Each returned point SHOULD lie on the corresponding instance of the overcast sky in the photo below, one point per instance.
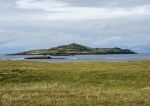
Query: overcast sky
(34, 24)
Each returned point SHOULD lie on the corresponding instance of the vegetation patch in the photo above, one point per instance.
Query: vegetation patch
(74, 83)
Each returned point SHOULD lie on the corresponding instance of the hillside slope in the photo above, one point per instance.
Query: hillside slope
(76, 49)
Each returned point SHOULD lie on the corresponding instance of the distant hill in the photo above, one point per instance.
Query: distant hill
(76, 49)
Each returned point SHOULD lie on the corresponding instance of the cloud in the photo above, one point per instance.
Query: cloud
(51, 5)
(33, 24)
(106, 3)
(64, 11)
(36, 39)
(47, 10)
(93, 3)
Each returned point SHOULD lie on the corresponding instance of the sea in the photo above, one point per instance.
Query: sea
(75, 58)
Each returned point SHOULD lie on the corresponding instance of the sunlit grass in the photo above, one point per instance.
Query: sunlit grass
(25, 83)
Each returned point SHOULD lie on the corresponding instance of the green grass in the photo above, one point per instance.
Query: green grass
(72, 49)
(24, 83)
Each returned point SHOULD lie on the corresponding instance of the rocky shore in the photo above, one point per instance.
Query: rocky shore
(42, 57)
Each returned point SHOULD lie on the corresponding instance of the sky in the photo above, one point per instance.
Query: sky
(38, 24)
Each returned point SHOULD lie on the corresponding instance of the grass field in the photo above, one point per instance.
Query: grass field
(24, 83)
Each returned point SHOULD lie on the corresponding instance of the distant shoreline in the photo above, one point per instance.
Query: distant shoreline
(104, 57)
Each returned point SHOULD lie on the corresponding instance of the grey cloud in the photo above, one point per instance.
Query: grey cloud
(104, 3)
(132, 34)
(29, 29)
(6, 5)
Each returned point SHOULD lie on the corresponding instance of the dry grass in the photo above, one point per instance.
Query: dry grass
(26, 83)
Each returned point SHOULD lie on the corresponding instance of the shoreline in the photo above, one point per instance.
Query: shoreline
(78, 58)
(82, 61)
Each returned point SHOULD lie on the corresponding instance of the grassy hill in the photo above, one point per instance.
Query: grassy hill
(24, 83)
(76, 49)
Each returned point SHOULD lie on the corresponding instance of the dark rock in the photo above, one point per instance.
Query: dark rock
(39, 57)
(42, 57)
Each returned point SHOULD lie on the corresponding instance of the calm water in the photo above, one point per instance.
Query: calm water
(116, 57)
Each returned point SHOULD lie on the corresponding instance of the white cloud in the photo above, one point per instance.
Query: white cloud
(57, 10)
(46, 5)
(47, 10)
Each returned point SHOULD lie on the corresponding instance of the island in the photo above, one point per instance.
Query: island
(76, 49)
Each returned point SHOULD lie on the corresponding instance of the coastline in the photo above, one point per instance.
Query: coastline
(76, 58)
